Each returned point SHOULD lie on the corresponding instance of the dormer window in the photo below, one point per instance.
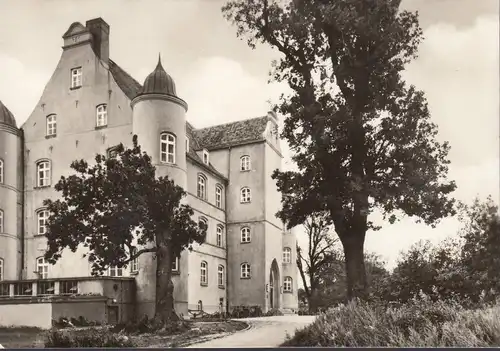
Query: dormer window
(76, 77)
(205, 156)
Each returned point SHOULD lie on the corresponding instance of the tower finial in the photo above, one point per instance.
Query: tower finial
(159, 61)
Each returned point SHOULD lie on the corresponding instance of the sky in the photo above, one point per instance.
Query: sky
(223, 80)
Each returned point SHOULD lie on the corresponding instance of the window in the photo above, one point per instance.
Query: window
(1, 171)
(43, 173)
(287, 255)
(220, 275)
(245, 270)
(1, 269)
(102, 115)
(245, 195)
(76, 77)
(205, 156)
(134, 264)
(45, 288)
(115, 271)
(175, 265)
(203, 221)
(245, 163)
(245, 235)
(42, 217)
(167, 148)
(51, 125)
(68, 287)
(287, 284)
(42, 268)
(204, 273)
(1, 221)
(219, 236)
(4, 289)
(23, 289)
(218, 196)
(187, 144)
(202, 185)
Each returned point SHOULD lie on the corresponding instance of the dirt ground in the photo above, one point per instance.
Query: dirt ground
(200, 331)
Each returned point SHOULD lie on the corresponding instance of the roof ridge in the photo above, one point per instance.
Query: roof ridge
(125, 72)
(228, 123)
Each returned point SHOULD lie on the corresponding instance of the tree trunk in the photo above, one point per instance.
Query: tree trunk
(164, 310)
(357, 286)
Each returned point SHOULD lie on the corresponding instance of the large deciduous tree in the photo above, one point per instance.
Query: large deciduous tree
(361, 138)
(118, 210)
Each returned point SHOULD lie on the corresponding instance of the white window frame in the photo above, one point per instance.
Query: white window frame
(220, 275)
(1, 221)
(187, 144)
(287, 255)
(245, 270)
(287, 284)
(245, 236)
(1, 171)
(204, 273)
(51, 124)
(76, 77)
(43, 169)
(245, 195)
(218, 196)
(206, 157)
(201, 187)
(245, 164)
(101, 115)
(134, 264)
(41, 216)
(42, 268)
(118, 272)
(219, 235)
(167, 148)
(175, 265)
(1, 269)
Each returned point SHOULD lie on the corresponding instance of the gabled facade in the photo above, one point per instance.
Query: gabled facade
(89, 106)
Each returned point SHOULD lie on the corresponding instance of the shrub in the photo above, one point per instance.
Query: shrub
(273, 312)
(418, 323)
(92, 337)
(150, 325)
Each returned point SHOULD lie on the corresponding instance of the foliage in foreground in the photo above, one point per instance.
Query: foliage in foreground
(92, 337)
(418, 323)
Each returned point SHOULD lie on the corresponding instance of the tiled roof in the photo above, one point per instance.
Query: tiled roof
(127, 84)
(230, 134)
(6, 116)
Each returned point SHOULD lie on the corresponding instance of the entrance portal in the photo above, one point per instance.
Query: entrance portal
(274, 286)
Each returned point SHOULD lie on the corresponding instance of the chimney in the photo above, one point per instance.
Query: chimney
(100, 38)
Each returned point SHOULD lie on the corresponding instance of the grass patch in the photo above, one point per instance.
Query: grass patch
(21, 337)
(420, 323)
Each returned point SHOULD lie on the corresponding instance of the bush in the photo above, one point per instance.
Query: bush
(92, 337)
(273, 312)
(150, 325)
(418, 323)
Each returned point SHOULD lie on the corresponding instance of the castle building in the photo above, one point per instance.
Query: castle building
(89, 106)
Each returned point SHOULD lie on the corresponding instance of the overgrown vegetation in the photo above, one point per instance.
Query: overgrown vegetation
(91, 337)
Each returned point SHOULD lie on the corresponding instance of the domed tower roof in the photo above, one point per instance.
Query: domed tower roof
(159, 82)
(6, 117)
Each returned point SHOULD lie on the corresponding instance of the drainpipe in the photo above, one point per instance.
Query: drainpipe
(227, 246)
(23, 203)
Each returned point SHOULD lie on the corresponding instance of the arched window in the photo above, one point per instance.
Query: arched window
(245, 270)
(1, 269)
(204, 273)
(167, 148)
(202, 187)
(220, 275)
(1, 221)
(287, 284)
(51, 125)
(42, 216)
(134, 264)
(287, 255)
(43, 173)
(219, 235)
(245, 195)
(42, 268)
(204, 221)
(101, 115)
(245, 235)
(1, 171)
(245, 163)
(218, 196)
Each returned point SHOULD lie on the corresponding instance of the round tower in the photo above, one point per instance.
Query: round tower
(159, 121)
(11, 196)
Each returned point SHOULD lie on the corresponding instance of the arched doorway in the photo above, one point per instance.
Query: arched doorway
(274, 286)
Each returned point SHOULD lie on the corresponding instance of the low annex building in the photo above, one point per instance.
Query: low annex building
(89, 106)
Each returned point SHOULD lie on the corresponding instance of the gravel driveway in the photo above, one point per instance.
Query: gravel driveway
(263, 332)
